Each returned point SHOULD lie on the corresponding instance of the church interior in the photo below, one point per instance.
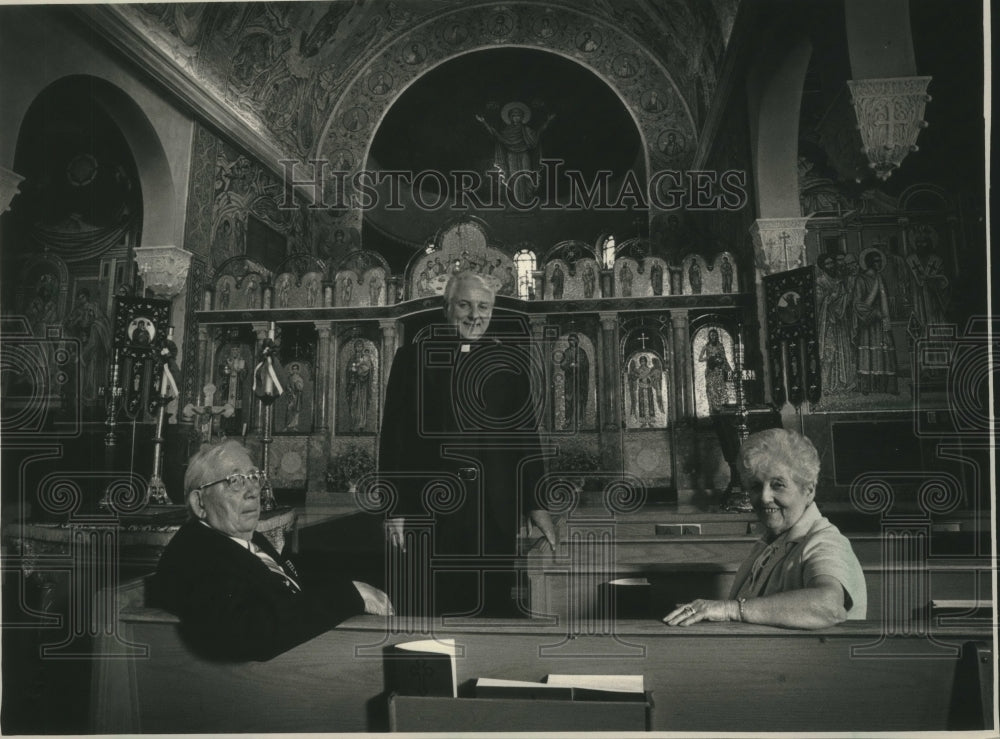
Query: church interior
(710, 217)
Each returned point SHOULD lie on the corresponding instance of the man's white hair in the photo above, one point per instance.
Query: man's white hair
(465, 276)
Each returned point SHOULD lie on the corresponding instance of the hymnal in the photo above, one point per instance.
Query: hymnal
(424, 667)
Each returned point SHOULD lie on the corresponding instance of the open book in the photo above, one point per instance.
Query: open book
(425, 667)
(566, 687)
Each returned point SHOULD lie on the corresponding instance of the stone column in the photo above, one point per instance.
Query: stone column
(331, 386)
(538, 283)
(683, 366)
(779, 245)
(607, 283)
(322, 375)
(10, 182)
(609, 366)
(676, 280)
(541, 395)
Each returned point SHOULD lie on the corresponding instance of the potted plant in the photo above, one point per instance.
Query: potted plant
(573, 464)
(346, 468)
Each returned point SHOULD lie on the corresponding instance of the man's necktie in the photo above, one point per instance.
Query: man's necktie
(275, 567)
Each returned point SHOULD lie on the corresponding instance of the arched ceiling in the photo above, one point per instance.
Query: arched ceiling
(284, 67)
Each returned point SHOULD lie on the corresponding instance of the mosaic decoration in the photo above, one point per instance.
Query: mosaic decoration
(714, 357)
(358, 374)
(574, 382)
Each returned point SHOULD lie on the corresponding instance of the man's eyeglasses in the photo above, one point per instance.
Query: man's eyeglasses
(238, 481)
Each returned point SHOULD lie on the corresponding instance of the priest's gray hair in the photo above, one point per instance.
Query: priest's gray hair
(462, 277)
(780, 445)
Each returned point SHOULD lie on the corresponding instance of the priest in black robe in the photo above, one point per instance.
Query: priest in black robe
(459, 447)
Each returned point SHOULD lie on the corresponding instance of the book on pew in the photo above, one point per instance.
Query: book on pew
(425, 667)
(601, 687)
(489, 687)
(969, 608)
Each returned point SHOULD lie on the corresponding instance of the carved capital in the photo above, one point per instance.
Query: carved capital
(609, 321)
(164, 269)
(10, 182)
(779, 243)
(323, 330)
(679, 318)
(388, 326)
(260, 329)
(890, 114)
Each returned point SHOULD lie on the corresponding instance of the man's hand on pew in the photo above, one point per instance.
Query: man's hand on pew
(377, 603)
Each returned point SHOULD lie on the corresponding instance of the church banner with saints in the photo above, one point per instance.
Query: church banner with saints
(790, 299)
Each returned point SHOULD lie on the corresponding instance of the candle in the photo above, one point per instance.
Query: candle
(268, 383)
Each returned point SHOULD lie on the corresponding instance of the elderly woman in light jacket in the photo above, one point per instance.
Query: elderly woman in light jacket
(803, 573)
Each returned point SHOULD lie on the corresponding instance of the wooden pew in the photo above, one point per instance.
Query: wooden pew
(709, 677)
(554, 591)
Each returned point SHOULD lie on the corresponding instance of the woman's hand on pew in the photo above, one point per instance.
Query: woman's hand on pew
(702, 610)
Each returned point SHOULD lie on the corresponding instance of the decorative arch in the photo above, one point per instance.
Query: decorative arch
(361, 279)
(461, 244)
(667, 129)
(159, 204)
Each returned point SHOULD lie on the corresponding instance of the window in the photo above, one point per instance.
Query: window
(608, 252)
(524, 261)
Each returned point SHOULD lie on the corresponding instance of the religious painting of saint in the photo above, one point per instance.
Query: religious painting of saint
(645, 381)
(517, 148)
(141, 331)
(43, 309)
(726, 270)
(87, 322)
(876, 350)
(293, 409)
(345, 288)
(359, 387)
(713, 384)
(656, 278)
(694, 277)
(558, 281)
(589, 281)
(625, 279)
(572, 389)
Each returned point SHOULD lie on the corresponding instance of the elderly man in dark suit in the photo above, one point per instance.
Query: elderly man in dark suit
(236, 596)
(459, 442)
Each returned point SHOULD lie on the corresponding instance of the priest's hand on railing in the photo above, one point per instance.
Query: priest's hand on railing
(377, 603)
(394, 533)
(541, 518)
